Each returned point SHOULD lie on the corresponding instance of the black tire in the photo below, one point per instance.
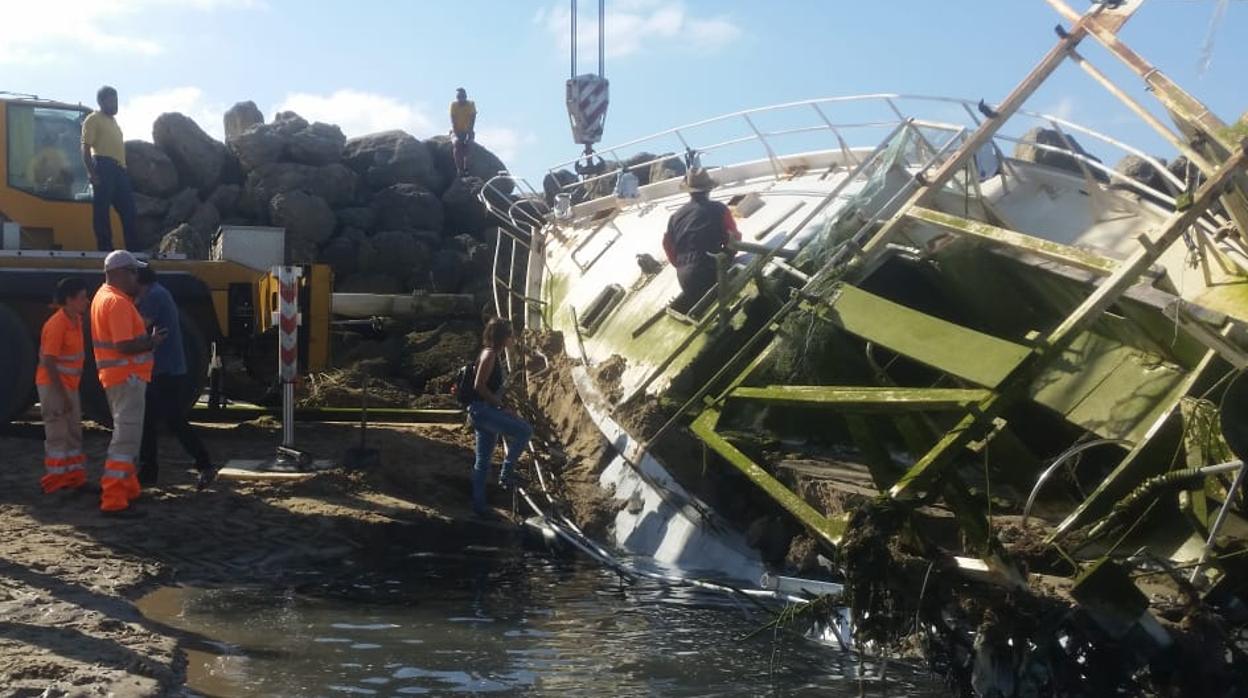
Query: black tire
(17, 365)
(95, 403)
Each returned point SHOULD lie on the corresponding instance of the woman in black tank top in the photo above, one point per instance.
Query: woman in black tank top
(490, 419)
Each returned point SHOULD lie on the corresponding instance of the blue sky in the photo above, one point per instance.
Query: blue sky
(371, 65)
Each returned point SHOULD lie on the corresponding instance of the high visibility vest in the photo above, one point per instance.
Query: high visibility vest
(61, 339)
(114, 320)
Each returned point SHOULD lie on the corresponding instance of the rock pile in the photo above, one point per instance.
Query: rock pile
(384, 210)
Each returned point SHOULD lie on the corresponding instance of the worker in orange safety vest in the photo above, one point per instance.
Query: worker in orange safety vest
(56, 380)
(123, 355)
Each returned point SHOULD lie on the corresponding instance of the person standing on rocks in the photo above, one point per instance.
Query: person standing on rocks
(490, 420)
(166, 392)
(697, 230)
(60, 370)
(104, 154)
(123, 356)
(463, 129)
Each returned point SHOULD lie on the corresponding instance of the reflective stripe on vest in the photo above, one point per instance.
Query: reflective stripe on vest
(114, 474)
(56, 469)
(136, 359)
(120, 458)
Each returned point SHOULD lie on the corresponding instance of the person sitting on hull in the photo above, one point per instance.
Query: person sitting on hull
(696, 231)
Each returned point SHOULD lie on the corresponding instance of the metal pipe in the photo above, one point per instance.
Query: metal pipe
(1217, 523)
(573, 19)
(602, 38)
(1059, 462)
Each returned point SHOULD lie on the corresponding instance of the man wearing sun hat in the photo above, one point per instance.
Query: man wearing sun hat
(696, 231)
(123, 357)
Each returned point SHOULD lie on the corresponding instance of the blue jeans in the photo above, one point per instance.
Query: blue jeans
(113, 191)
(490, 423)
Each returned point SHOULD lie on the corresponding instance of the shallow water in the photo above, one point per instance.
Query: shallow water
(500, 623)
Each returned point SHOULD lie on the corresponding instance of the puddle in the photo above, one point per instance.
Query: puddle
(481, 624)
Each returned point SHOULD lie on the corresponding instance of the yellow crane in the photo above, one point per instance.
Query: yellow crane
(45, 213)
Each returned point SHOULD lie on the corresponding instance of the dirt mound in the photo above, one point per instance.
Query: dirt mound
(575, 451)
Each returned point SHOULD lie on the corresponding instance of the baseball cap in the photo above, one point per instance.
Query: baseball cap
(121, 259)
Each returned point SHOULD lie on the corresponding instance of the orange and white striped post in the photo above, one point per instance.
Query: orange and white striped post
(288, 321)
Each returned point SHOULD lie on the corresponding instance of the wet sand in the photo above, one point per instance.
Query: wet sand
(69, 576)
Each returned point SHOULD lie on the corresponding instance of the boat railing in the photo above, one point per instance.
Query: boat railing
(828, 124)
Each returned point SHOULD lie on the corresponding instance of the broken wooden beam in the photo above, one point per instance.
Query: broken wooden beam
(1054, 251)
(1015, 386)
(862, 399)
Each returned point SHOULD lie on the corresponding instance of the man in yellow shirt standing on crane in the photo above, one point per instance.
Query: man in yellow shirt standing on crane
(463, 128)
(104, 154)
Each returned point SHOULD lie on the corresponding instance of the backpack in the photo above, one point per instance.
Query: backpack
(462, 388)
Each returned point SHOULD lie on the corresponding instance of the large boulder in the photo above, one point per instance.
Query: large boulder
(150, 206)
(197, 157)
(308, 220)
(341, 255)
(391, 157)
(482, 164)
(1028, 151)
(402, 256)
(554, 182)
(241, 117)
(259, 145)
(184, 240)
(181, 207)
(205, 221)
(334, 183)
(369, 283)
(356, 217)
(225, 198)
(447, 270)
(151, 170)
(464, 211)
(667, 167)
(316, 144)
(148, 232)
(408, 207)
(1140, 170)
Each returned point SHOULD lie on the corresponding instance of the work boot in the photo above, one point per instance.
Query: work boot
(207, 476)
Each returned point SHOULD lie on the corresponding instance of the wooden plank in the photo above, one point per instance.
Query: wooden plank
(862, 399)
(1055, 251)
(1196, 122)
(988, 129)
(933, 463)
(959, 351)
(704, 428)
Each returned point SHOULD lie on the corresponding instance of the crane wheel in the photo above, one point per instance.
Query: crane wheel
(17, 366)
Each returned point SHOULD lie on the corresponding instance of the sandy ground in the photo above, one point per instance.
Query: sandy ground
(68, 576)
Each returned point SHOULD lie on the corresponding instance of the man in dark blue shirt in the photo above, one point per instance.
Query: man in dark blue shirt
(166, 394)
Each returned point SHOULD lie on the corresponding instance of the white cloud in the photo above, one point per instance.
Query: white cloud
(44, 31)
(137, 114)
(505, 142)
(358, 113)
(634, 25)
(1063, 109)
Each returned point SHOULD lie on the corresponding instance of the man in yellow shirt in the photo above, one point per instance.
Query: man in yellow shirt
(104, 154)
(463, 127)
